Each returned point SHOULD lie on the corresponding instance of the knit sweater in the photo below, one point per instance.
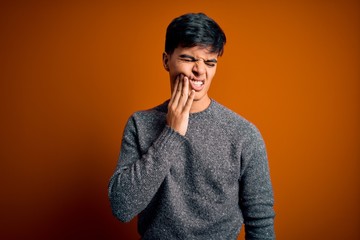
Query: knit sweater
(203, 185)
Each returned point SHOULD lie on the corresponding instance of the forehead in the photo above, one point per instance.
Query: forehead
(196, 51)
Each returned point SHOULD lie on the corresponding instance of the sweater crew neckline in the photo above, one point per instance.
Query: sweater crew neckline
(203, 112)
(164, 108)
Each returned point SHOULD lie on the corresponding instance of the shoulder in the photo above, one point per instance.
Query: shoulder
(240, 131)
(227, 118)
(148, 114)
(149, 117)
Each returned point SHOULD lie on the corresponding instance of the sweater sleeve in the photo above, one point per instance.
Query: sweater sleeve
(138, 176)
(256, 194)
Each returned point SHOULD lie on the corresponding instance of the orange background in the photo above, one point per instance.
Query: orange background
(71, 73)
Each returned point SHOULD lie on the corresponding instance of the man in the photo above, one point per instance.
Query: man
(191, 168)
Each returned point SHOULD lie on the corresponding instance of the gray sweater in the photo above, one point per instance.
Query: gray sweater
(203, 185)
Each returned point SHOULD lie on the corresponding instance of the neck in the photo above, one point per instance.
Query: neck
(200, 105)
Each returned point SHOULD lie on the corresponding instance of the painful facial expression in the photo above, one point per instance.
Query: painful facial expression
(198, 64)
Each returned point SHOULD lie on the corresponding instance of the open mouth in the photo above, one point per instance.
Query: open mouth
(197, 85)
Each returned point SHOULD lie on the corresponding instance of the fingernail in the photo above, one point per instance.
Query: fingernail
(186, 78)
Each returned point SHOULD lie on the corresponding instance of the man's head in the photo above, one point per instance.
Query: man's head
(193, 44)
(194, 29)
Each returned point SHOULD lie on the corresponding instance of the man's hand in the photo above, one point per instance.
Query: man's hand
(179, 106)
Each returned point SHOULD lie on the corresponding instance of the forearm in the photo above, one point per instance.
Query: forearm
(259, 219)
(136, 181)
(257, 203)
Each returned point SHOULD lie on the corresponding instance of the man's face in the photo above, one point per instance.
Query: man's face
(197, 63)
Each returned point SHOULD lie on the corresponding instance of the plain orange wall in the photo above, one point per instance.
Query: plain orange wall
(72, 72)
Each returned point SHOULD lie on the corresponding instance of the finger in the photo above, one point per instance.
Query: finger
(178, 91)
(189, 101)
(174, 91)
(184, 92)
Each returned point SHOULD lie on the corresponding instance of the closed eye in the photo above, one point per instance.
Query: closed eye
(188, 58)
(210, 64)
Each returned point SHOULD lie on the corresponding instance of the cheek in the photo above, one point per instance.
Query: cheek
(179, 68)
(210, 74)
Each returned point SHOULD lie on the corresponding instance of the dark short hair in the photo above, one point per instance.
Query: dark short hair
(194, 29)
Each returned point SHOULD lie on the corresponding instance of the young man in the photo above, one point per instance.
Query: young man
(191, 168)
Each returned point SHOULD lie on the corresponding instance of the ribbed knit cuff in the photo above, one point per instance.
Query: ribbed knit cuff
(168, 142)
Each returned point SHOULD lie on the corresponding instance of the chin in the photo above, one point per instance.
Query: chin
(199, 96)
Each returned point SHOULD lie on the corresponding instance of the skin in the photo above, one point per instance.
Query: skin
(186, 65)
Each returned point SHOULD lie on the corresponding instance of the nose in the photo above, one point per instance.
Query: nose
(199, 67)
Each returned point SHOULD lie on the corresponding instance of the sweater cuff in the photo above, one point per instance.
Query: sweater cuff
(168, 142)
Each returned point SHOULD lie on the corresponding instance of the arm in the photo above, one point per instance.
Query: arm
(256, 195)
(139, 176)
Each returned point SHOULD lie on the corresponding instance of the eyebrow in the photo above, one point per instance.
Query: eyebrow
(194, 59)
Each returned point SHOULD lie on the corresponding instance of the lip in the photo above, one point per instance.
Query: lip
(196, 86)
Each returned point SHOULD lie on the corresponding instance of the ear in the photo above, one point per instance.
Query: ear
(165, 58)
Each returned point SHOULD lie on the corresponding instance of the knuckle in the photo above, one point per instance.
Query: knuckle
(171, 108)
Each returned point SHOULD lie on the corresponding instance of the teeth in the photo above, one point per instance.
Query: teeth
(197, 83)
